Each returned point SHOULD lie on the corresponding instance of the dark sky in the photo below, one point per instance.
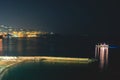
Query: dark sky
(95, 17)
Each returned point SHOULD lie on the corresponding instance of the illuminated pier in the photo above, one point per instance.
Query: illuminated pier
(101, 53)
(46, 59)
(8, 61)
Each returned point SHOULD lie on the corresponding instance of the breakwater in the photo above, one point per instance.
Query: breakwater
(8, 61)
(45, 59)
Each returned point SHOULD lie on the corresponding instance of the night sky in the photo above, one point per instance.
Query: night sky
(83, 17)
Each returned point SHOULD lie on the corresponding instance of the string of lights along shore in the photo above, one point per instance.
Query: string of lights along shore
(8, 31)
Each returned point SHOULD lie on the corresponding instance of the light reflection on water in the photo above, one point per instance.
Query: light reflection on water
(101, 53)
(1, 46)
(45, 47)
(19, 47)
(33, 47)
(22, 47)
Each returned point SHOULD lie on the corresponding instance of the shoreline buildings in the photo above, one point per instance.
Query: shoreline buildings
(13, 32)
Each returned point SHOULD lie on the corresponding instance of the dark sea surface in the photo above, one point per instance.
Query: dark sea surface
(61, 46)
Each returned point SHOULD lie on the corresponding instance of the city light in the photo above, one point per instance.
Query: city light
(6, 31)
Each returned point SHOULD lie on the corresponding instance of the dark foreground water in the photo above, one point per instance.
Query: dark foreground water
(60, 46)
(48, 71)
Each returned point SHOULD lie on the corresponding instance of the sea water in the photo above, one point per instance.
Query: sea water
(67, 47)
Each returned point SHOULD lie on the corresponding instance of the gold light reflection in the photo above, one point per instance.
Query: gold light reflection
(1, 46)
(101, 53)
